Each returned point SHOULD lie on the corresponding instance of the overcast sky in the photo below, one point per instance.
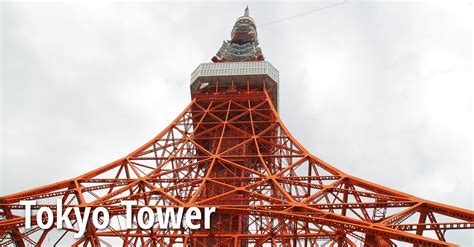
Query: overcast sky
(379, 90)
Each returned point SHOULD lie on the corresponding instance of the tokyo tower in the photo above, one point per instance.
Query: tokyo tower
(229, 149)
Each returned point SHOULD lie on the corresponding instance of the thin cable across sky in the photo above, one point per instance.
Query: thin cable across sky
(301, 14)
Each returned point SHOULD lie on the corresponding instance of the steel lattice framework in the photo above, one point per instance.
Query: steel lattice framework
(230, 149)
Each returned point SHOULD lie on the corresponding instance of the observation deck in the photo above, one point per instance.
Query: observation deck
(236, 77)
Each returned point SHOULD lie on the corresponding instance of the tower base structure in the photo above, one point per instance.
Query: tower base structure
(229, 149)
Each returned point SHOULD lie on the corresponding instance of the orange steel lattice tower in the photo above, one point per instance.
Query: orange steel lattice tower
(230, 149)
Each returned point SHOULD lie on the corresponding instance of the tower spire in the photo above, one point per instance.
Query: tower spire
(243, 45)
